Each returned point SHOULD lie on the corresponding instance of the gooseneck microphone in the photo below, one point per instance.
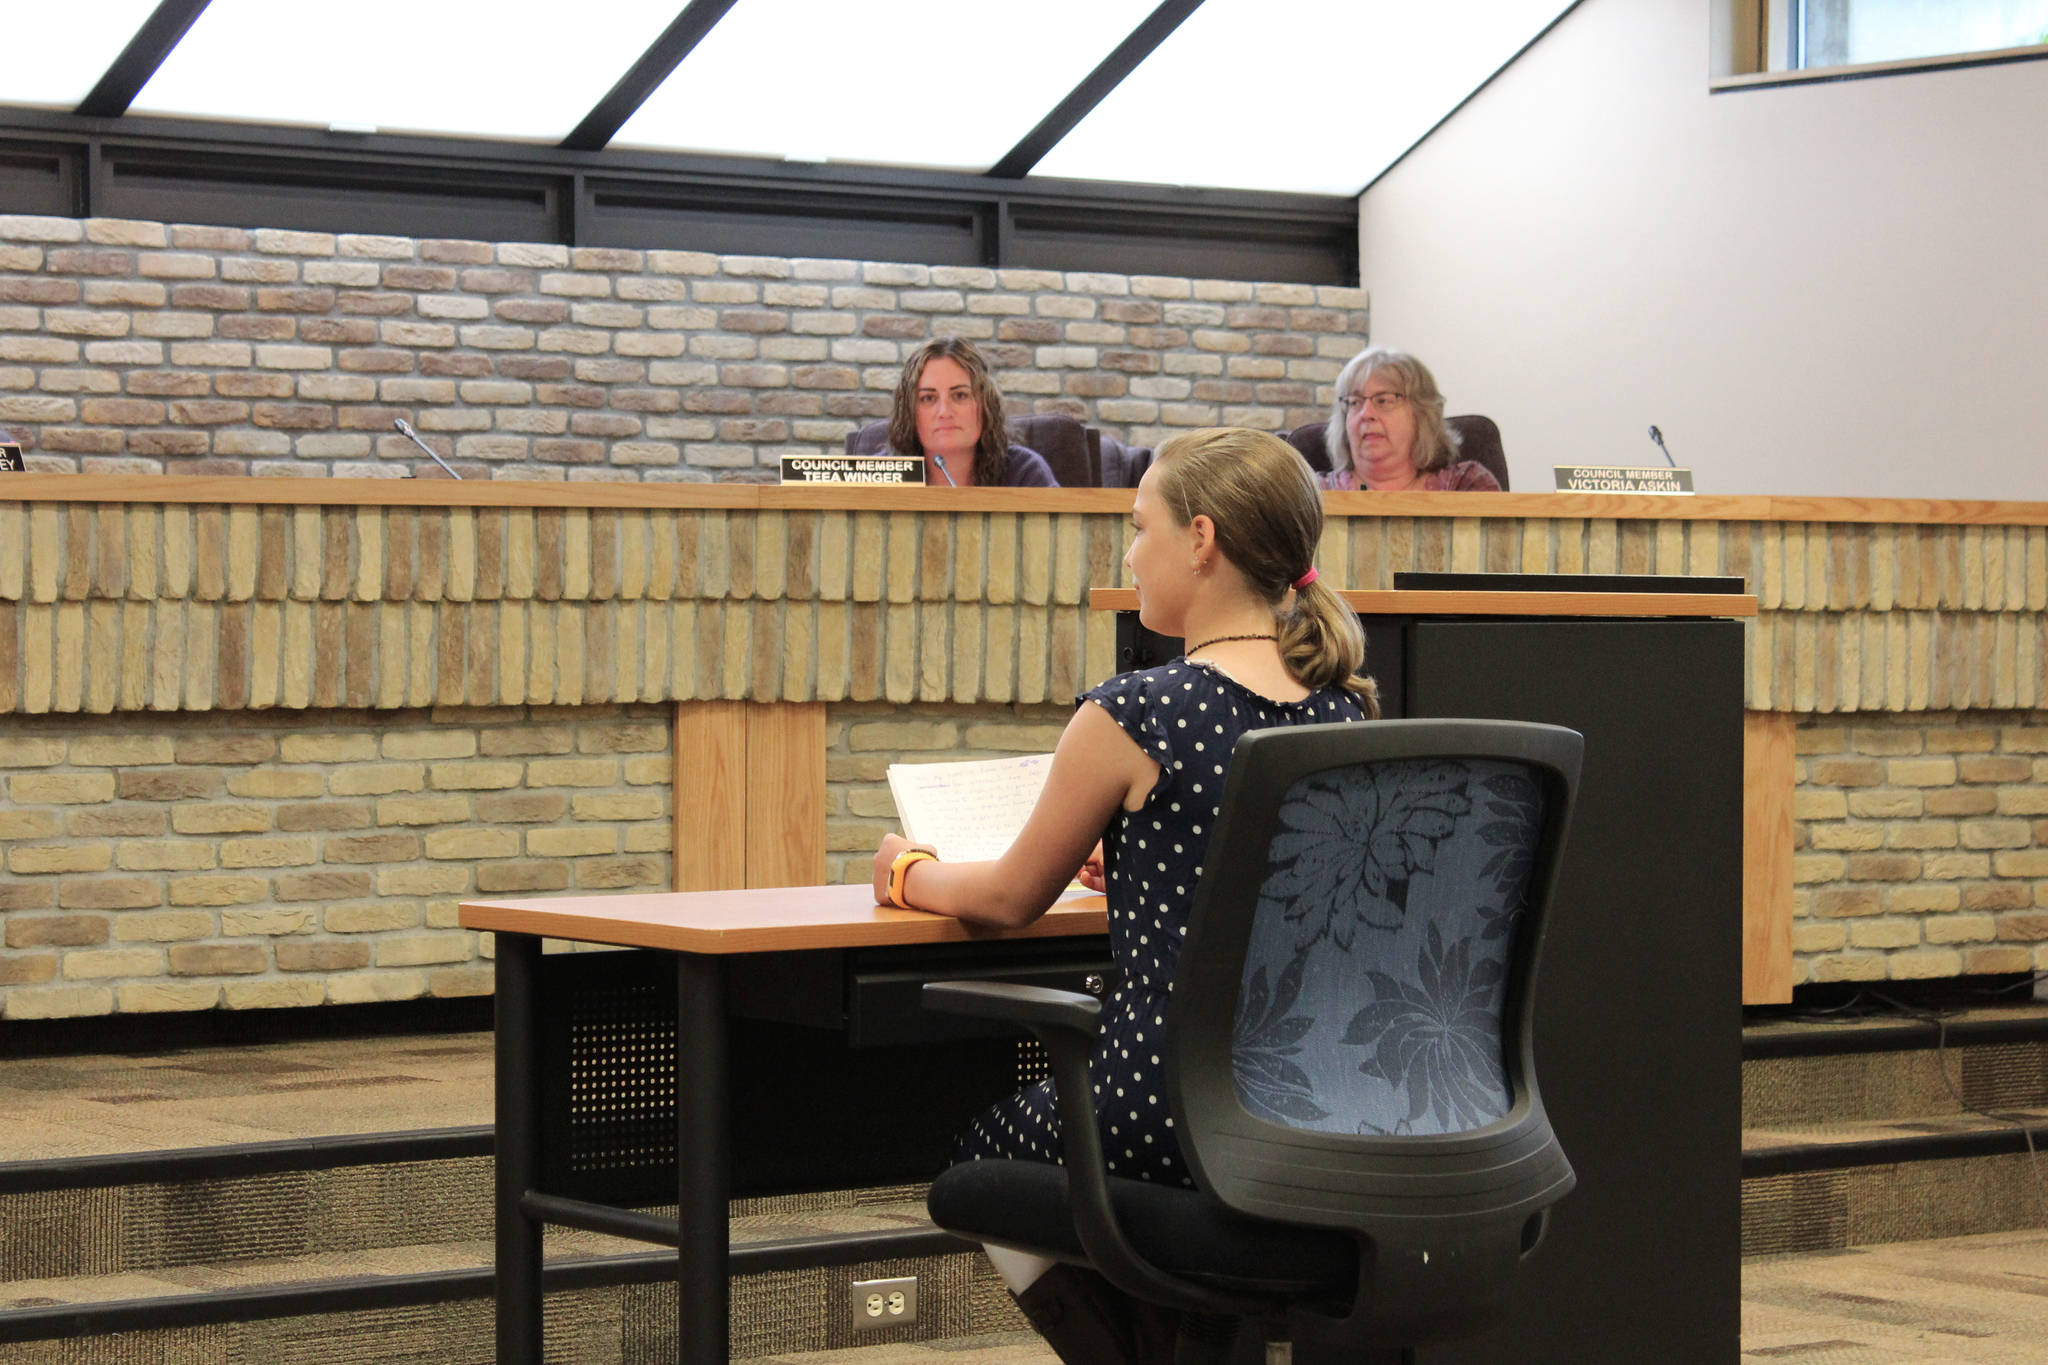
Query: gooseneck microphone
(1658, 437)
(940, 461)
(405, 430)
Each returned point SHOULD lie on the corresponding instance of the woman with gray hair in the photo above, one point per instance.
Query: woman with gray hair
(1387, 431)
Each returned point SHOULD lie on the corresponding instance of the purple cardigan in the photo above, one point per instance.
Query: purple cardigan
(1463, 476)
(1024, 467)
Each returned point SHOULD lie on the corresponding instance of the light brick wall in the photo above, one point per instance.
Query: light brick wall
(1921, 840)
(159, 613)
(863, 739)
(1920, 845)
(193, 861)
(177, 862)
(145, 347)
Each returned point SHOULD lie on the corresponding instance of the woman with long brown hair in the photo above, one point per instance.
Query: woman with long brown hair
(1223, 536)
(949, 410)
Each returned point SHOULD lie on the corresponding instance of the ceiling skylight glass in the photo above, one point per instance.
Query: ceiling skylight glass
(520, 69)
(55, 56)
(937, 83)
(1315, 96)
(1319, 98)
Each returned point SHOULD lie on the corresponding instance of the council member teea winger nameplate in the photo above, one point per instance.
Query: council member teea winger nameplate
(853, 469)
(1598, 478)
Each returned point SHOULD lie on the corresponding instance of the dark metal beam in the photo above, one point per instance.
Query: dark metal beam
(138, 61)
(662, 56)
(1095, 88)
(205, 140)
(200, 171)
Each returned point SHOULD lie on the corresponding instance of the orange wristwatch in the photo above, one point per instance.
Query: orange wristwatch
(899, 872)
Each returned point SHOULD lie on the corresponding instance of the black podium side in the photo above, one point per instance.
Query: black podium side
(1639, 1023)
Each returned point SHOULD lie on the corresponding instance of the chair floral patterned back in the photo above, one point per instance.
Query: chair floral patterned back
(1375, 980)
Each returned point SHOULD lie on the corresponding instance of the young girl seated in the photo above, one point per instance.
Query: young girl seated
(1224, 530)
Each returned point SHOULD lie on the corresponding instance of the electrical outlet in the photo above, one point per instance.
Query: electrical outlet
(885, 1303)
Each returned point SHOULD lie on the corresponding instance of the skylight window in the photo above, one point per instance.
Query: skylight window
(1317, 98)
(517, 69)
(55, 58)
(934, 83)
(1314, 96)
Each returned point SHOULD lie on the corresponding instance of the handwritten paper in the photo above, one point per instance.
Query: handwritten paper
(969, 811)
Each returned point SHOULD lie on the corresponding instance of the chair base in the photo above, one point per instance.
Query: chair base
(1330, 1355)
(1249, 1347)
(1088, 1321)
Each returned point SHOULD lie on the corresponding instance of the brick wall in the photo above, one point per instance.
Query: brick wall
(179, 862)
(1921, 845)
(186, 861)
(1921, 841)
(145, 347)
(863, 739)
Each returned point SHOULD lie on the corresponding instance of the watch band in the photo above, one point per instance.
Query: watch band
(899, 872)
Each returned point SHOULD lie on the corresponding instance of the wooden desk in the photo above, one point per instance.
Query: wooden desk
(705, 930)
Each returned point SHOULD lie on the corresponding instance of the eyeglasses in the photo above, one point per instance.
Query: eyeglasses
(1381, 402)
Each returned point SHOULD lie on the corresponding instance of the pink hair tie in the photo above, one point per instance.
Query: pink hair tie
(1305, 579)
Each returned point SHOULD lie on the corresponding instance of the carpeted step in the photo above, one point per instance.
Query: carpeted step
(1860, 1184)
(1893, 1128)
(432, 1303)
(1923, 1080)
(399, 1254)
(777, 1315)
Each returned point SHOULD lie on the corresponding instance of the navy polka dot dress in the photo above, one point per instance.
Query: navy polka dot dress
(1186, 716)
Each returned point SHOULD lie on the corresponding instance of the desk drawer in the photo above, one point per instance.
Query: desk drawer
(885, 1006)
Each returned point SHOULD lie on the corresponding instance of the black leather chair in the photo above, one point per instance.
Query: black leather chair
(1478, 439)
(1349, 1059)
(1071, 450)
(1122, 465)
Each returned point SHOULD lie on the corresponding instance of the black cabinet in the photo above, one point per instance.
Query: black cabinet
(1639, 1022)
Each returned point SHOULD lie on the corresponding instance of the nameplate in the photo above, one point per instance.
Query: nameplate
(10, 458)
(1599, 478)
(853, 469)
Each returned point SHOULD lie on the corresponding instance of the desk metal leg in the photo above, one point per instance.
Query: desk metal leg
(703, 1164)
(518, 1149)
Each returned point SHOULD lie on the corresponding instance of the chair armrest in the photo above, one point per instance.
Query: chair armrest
(1027, 1005)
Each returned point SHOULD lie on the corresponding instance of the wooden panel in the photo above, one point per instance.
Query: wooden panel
(785, 794)
(710, 796)
(1766, 858)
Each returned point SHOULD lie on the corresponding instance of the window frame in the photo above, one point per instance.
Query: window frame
(1753, 44)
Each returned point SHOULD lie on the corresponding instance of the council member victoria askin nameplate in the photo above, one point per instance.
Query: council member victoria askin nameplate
(1597, 478)
(1670, 477)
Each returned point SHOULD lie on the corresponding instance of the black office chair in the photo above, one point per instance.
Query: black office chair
(1069, 449)
(1349, 1056)
(1122, 465)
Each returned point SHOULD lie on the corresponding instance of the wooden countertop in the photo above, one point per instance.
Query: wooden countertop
(1434, 603)
(173, 488)
(785, 919)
